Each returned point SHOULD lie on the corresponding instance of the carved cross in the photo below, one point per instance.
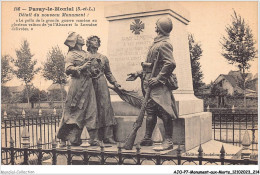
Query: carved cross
(137, 26)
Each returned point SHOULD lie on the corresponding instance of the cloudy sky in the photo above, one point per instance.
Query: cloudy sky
(208, 21)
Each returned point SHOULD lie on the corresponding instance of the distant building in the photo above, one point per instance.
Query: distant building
(55, 86)
(54, 92)
(16, 90)
(232, 83)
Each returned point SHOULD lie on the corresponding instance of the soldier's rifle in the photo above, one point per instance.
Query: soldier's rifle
(138, 123)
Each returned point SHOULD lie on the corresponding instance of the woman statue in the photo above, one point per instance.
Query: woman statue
(100, 71)
(80, 107)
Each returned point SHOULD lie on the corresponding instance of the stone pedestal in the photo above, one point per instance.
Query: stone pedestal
(189, 130)
(131, 32)
(193, 129)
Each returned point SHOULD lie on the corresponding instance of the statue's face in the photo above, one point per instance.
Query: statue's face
(80, 40)
(94, 42)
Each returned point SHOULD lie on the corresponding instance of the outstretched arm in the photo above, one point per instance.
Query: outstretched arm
(134, 76)
(110, 77)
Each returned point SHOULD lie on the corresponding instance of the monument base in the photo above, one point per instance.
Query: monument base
(189, 130)
(193, 129)
(186, 104)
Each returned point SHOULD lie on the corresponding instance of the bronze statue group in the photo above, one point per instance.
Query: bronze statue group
(88, 101)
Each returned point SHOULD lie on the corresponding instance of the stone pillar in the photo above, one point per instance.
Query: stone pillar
(131, 32)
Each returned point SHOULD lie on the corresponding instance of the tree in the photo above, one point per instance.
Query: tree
(36, 95)
(54, 69)
(6, 75)
(25, 66)
(238, 46)
(53, 95)
(195, 55)
(5, 95)
(220, 93)
(6, 70)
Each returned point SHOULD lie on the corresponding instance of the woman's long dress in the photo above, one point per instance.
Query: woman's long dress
(80, 107)
(100, 70)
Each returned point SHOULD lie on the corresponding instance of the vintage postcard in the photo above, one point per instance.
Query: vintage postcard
(92, 83)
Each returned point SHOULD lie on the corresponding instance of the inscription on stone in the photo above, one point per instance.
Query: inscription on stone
(128, 55)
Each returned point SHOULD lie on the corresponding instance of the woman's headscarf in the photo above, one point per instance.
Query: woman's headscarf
(72, 40)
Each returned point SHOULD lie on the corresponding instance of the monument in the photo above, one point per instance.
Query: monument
(131, 32)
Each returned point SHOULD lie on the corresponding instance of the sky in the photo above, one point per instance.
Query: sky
(207, 24)
(208, 21)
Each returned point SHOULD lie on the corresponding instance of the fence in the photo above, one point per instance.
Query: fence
(233, 110)
(44, 104)
(102, 157)
(40, 126)
(227, 127)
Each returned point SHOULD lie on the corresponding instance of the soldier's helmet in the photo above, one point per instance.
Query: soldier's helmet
(164, 24)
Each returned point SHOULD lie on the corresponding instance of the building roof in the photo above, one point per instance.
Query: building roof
(237, 75)
(231, 79)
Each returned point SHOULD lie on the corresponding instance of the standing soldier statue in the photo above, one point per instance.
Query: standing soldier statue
(161, 102)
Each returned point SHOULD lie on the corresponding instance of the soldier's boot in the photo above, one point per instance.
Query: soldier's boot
(150, 124)
(168, 126)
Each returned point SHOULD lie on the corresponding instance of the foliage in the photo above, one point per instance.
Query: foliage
(245, 83)
(216, 90)
(54, 67)
(5, 95)
(195, 55)
(35, 95)
(25, 66)
(237, 94)
(6, 70)
(54, 95)
(38, 95)
(238, 46)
